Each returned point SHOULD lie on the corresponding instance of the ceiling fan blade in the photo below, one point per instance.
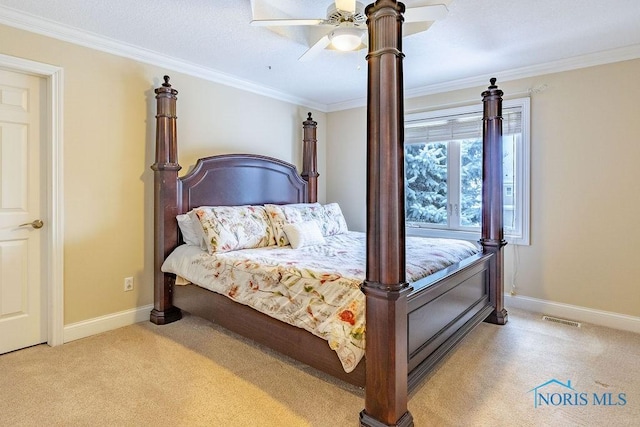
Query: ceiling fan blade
(346, 5)
(425, 13)
(411, 28)
(314, 50)
(286, 22)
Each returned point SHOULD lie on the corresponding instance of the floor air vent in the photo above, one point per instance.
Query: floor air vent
(562, 321)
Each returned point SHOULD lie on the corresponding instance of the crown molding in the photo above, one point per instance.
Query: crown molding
(28, 22)
(48, 28)
(568, 64)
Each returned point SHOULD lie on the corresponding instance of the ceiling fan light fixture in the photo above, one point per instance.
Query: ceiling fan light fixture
(346, 39)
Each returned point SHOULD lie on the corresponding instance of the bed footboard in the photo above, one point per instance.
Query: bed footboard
(444, 310)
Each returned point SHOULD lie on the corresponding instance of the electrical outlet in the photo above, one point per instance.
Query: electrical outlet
(128, 284)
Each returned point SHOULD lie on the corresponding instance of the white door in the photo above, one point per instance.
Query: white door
(22, 301)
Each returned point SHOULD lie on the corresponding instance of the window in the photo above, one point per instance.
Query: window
(443, 172)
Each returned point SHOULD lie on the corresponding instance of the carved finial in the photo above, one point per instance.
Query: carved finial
(309, 116)
(166, 82)
(493, 83)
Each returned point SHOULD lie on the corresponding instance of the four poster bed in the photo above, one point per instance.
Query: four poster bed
(410, 325)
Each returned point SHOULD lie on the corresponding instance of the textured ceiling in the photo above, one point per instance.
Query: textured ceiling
(477, 39)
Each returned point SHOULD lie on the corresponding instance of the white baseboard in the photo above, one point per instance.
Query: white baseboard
(86, 328)
(609, 319)
(573, 312)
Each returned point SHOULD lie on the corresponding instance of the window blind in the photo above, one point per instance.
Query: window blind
(458, 127)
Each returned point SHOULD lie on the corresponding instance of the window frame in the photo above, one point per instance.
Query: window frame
(522, 177)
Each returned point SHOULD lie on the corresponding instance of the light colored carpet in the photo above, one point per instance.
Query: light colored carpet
(193, 373)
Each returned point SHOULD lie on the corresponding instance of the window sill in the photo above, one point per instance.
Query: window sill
(472, 236)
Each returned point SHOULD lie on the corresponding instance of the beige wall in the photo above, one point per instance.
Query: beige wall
(108, 147)
(585, 195)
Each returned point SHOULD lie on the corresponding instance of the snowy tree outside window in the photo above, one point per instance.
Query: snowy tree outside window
(443, 172)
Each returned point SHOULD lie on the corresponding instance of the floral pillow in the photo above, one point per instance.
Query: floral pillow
(334, 222)
(229, 228)
(329, 218)
(278, 220)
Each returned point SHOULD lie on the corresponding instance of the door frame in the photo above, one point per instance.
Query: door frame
(53, 263)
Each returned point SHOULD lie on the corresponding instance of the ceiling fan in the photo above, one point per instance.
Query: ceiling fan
(347, 22)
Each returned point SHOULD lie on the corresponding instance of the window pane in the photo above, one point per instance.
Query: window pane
(471, 183)
(509, 150)
(426, 183)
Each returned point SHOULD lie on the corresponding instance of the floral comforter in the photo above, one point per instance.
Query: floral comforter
(316, 288)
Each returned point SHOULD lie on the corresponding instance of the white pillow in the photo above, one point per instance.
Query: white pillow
(190, 234)
(303, 234)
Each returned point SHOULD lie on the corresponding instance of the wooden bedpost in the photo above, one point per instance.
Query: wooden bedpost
(385, 286)
(492, 239)
(310, 159)
(165, 174)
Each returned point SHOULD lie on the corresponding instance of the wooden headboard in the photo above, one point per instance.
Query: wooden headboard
(241, 179)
